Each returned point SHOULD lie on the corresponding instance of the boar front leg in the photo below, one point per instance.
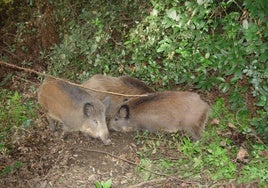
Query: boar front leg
(51, 123)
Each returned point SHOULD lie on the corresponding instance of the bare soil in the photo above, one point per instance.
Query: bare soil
(76, 161)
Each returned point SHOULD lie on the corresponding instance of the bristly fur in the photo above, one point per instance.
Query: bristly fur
(133, 82)
(75, 93)
(154, 97)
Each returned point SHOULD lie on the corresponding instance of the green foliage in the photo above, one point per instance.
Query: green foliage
(256, 169)
(240, 119)
(15, 113)
(15, 11)
(92, 38)
(103, 184)
(203, 44)
(17, 165)
(260, 122)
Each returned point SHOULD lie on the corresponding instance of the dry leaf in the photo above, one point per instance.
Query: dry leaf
(263, 153)
(223, 144)
(241, 154)
(231, 126)
(215, 122)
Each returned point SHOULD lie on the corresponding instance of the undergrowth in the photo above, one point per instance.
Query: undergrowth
(16, 115)
(205, 45)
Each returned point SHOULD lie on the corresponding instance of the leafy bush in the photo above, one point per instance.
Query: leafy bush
(92, 40)
(203, 44)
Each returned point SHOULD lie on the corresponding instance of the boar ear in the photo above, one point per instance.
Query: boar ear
(88, 109)
(107, 102)
(124, 111)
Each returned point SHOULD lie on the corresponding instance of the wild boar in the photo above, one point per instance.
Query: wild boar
(168, 111)
(124, 85)
(75, 108)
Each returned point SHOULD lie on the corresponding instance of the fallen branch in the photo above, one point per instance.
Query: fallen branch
(133, 163)
(71, 83)
(142, 184)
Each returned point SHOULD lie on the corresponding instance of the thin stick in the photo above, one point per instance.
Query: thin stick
(28, 81)
(125, 160)
(133, 163)
(71, 83)
(142, 184)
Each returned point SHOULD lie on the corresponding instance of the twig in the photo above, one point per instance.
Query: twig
(241, 9)
(125, 160)
(25, 80)
(24, 130)
(251, 134)
(14, 55)
(71, 83)
(142, 184)
(222, 182)
(133, 163)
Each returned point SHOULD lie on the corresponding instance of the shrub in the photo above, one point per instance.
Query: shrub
(203, 44)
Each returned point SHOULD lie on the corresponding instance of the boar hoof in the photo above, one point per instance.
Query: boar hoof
(107, 142)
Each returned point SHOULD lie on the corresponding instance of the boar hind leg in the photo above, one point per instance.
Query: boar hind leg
(51, 123)
(65, 135)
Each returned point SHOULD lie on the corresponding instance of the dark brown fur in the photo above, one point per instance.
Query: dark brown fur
(136, 83)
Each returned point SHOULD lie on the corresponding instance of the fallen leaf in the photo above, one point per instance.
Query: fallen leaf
(215, 122)
(263, 153)
(231, 126)
(137, 161)
(223, 144)
(242, 153)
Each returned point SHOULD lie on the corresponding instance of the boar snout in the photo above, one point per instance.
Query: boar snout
(107, 142)
(105, 138)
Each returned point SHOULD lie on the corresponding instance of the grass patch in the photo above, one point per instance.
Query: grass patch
(16, 114)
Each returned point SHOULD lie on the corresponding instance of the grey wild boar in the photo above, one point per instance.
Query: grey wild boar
(168, 111)
(123, 85)
(75, 108)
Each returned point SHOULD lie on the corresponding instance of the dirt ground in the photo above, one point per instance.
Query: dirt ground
(76, 161)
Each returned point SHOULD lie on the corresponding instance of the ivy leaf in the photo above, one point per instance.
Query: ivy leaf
(171, 13)
(245, 24)
(262, 101)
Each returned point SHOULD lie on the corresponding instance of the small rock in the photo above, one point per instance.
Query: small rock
(123, 182)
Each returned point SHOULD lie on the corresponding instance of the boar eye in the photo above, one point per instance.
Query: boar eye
(95, 121)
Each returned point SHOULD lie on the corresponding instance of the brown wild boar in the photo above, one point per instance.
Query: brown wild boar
(123, 85)
(75, 108)
(168, 111)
